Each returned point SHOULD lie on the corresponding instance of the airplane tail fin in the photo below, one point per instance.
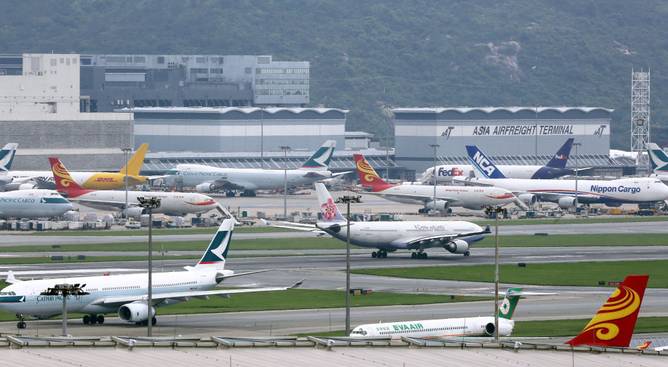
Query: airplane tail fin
(561, 158)
(657, 157)
(368, 176)
(320, 159)
(216, 252)
(7, 156)
(613, 324)
(328, 209)
(482, 163)
(64, 181)
(135, 162)
(507, 307)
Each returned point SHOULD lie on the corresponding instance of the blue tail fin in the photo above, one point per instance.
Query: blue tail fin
(482, 163)
(559, 160)
(320, 159)
(216, 252)
(7, 156)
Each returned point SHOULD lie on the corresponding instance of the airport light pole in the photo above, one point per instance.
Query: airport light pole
(347, 199)
(126, 152)
(285, 149)
(577, 193)
(149, 203)
(498, 210)
(65, 290)
(435, 147)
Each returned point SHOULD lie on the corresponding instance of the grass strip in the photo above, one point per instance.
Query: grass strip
(567, 274)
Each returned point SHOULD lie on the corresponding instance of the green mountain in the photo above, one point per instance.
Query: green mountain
(369, 55)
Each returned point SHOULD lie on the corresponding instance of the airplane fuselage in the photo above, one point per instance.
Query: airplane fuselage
(32, 203)
(443, 328)
(445, 173)
(175, 203)
(469, 197)
(87, 180)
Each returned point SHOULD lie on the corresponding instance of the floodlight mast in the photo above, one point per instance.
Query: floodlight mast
(149, 203)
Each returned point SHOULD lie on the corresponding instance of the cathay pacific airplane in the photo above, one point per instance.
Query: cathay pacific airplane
(207, 178)
(6, 159)
(555, 168)
(446, 328)
(659, 161)
(126, 294)
(33, 203)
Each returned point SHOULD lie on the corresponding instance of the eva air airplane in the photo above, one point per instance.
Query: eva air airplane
(127, 294)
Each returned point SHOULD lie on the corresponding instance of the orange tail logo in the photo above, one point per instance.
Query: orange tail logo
(613, 324)
(64, 181)
(367, 175)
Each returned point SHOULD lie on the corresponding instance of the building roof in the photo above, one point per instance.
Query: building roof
(223, 110)
(511, 109)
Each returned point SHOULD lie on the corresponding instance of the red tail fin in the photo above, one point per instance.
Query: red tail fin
(64, 181)
(368, 176)
(613, 324)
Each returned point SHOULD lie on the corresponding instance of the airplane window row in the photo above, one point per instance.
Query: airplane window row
(176, 284)
(424, 330)
(120, 288)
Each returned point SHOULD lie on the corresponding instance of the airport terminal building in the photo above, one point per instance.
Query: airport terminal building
(510, 135)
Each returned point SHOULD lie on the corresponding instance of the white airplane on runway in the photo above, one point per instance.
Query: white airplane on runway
(475, 198)
(454, 236)
(206, 178)
(171, 203)
(126, 294)
(563, 192)
(446, 328)
(34, 203)
(555, 168)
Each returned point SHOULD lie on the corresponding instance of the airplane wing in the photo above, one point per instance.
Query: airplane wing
(440, 239)
(291, 225)
(184, 296)
(106, 204)
(415, 197)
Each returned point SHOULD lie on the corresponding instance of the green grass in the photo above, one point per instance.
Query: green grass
(158, 231)
(295, 299)
(505, 222)
(576, 274)
(622, 239)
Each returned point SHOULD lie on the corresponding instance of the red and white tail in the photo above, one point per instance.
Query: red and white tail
(613, 324)
(368, 176)
(64, 182)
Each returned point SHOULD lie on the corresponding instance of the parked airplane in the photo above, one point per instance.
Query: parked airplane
(563, 192)
(126, 294)
(469, 197)
(87, 180)
(206, 178)
(455, 236)
(446, 328)
(659, 161)
(6, 159)
(555, 168)
(33, 203)
(171, 203)
(613, 324)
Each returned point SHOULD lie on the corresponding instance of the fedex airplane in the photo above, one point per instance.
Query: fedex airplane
(555, 168)
(171, 203)
(563, 192)
(469, 197)
(454, 236)
(446, 328)
(207, 178)
(126, 294)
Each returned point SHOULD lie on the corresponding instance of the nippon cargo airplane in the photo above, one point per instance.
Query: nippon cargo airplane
(87, 180)
(206, 178)
(171, 203)
(126, 294)
(563, 192)
(469, 197)
(446, 328)
(455, 236)
(555, 168)
(33, 203)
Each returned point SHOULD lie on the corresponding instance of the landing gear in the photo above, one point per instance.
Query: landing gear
(93, 319)
(145, 322)
(467, 253)
(230, 194)
(21, 324)
(248, 193)
(420, 254)
(380, 254)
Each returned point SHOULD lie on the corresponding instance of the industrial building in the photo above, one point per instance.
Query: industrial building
(40, 110)
(510, 135)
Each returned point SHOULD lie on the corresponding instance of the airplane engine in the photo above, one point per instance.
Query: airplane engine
(528, 199)
(566, 202)
(457, 246)
(133, 212)
(489, 329)
(204, 187)
(135, 312)
(20, 186)
(440, 205)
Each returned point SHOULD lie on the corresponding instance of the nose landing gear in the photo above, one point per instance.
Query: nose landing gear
(379, 254)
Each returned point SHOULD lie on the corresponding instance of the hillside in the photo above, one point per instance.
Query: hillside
(368, 55)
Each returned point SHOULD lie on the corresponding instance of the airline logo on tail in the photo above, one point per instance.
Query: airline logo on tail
(368, 176)
(559, 160)
(7, 156)
(216, 252)
(136, 161)
(509, 303)
(483, 164)
(657, 157)
(328, 209)
(64, 181)
(613, 324)
(321, 158)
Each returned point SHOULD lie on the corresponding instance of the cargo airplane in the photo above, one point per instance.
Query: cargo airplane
(454, 236)
(555, 168)
(446, 328)
(469, 197)
(6, 159)
(171, 203)
(659, 161)
(33, 203)
(207, 178)
(87, 180)
(126, 294)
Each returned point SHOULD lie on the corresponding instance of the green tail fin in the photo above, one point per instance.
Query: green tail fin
(507, 306)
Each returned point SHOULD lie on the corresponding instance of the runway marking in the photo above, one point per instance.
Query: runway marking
(549, 256)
